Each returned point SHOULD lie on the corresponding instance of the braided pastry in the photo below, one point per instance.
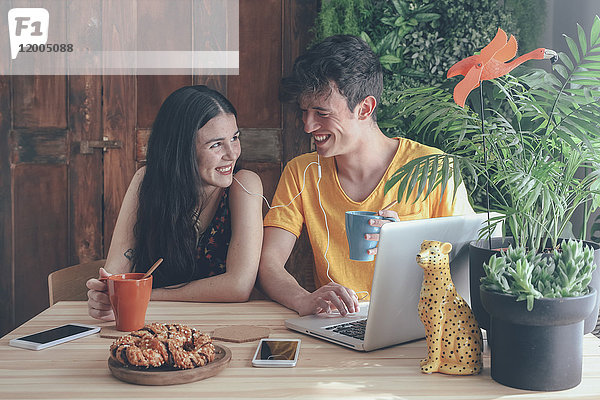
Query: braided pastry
(157, 345)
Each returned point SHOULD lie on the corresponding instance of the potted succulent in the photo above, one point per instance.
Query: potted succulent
(534, 145)
(538, 303)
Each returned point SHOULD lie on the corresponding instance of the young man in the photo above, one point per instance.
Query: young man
(337, 85)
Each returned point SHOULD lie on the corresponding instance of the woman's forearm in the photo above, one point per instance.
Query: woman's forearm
(220, 288)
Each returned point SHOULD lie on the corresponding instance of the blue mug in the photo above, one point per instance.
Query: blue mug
(357, 225)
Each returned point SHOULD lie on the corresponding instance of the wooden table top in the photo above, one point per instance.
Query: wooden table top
(78, 369)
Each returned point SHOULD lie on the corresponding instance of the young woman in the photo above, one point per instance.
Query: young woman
(184, 207)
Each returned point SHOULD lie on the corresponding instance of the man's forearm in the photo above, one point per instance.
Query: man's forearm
(279, 285)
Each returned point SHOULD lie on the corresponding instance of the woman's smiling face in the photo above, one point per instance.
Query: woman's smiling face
(217, 150)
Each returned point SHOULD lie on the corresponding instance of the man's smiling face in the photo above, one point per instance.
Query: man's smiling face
(332, 125)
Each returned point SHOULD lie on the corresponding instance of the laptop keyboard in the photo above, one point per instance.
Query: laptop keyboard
(355, 329)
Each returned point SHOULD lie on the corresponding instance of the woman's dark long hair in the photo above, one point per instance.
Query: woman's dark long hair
(171, 189)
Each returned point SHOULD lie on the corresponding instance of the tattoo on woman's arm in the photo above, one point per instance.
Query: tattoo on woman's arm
(129, 254)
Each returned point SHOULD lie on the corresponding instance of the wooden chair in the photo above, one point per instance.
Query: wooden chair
(69, 283)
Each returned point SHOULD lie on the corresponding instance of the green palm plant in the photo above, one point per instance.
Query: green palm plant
(543, 143)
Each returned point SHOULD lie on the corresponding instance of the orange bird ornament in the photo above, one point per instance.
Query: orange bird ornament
(492, 63)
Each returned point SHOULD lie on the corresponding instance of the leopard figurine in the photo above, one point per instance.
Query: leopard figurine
(454, 340)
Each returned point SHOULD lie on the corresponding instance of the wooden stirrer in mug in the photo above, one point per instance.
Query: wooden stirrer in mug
(152, 268)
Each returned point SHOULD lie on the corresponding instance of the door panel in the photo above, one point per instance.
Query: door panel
(39, 147)
(85, 175)
(254, 91)
(153, 90)
(40, 207)
(39, 101)
(7, 298)
(119, 114)
(85, 171)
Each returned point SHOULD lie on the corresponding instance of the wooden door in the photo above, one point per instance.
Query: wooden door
(58, 206)
(51, 195)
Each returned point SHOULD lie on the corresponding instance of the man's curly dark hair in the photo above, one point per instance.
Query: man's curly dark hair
(343, 60)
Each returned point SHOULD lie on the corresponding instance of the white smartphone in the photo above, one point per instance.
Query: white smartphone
(54, 336)
(276, 353)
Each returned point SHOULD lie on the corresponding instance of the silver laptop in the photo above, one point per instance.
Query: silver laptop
(391, 317)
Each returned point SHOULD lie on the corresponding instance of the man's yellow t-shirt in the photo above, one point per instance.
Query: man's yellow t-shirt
(306, 209)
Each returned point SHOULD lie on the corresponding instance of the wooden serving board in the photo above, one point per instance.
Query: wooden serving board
(171, 376)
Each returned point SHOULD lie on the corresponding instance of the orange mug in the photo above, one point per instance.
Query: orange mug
(129, 296)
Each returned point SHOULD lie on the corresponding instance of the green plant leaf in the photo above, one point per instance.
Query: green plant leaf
(589, 74)
(582, 39)
(445, 173)
(435, 114)
(413, 181)
(364, 36)
(400, 7)
(566, 134)
(423, 177)
(433, 174)
(562, 71)
(533, 197)
(530, 299)
(402, 188)
(391, 182)
(389, 59)
(580, 131)
(590, 82)
(595, 32)
(457, 178)
(426, 17)
(591, 65)
(566, 60)
(573, 48)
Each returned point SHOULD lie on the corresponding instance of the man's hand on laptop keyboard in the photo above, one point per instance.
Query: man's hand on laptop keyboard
(328, 298)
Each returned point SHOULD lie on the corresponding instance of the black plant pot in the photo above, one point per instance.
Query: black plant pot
(479, 253)
(541, 349)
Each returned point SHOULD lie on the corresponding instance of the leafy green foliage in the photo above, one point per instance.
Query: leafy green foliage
(341, 17)
(417, 40)
(463, 28)
(544, 130)
(530, 275)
